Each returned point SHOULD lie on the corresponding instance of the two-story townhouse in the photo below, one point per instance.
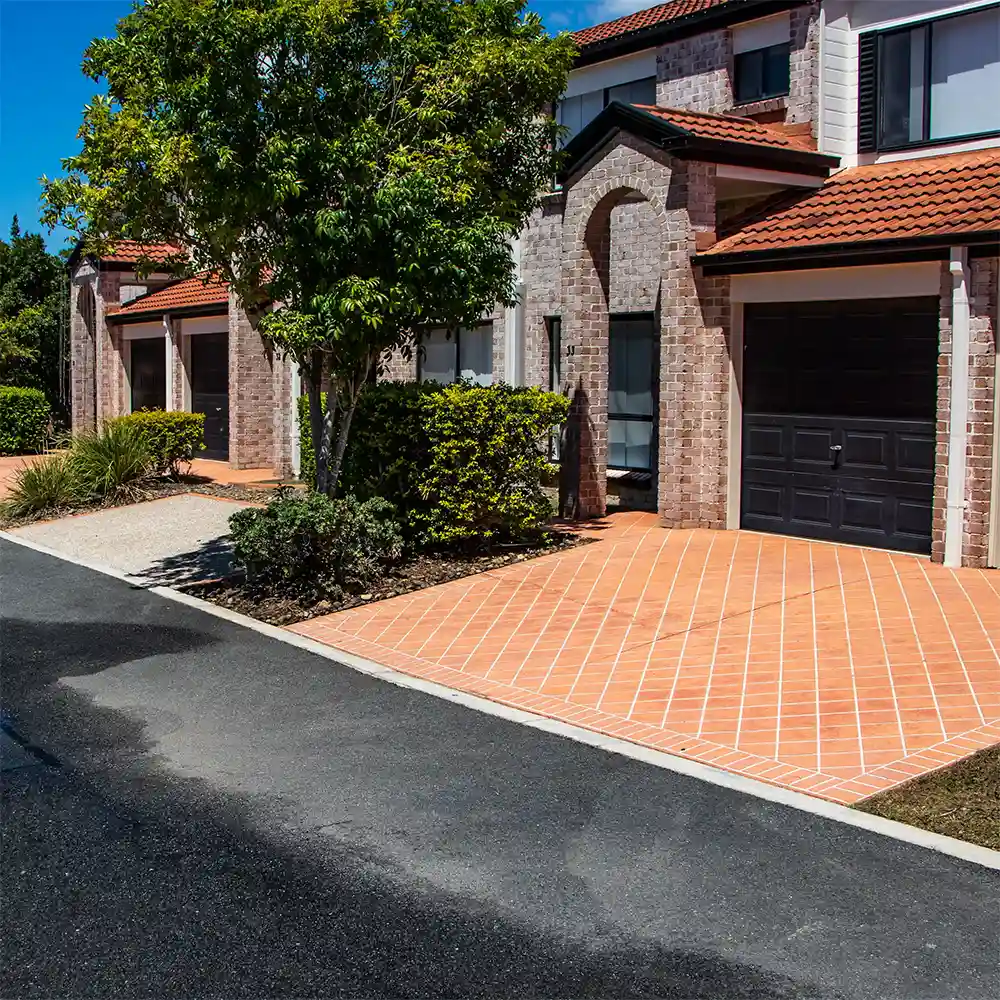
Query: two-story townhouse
(771, 289)
(767, 277)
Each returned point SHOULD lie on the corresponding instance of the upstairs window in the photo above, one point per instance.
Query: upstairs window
(761, 73)
(761, 55)
(932, 82)
(449, 355)
(576, 113)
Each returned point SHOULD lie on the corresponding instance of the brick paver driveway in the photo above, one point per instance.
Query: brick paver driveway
(835, 670)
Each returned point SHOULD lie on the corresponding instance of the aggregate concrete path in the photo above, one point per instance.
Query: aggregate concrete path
(165, 542)
(235, 817)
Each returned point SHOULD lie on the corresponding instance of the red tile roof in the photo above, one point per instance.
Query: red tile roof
(201, 290)
(131, 252)
(728, 128)
(630, 23)
(938, 196)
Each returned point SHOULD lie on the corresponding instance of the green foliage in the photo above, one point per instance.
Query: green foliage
(487, 463)
(316, 545)
(111, 464)
(32, 290)
(365, 164)
(24, 420)
(463, 464)
(39, 486)
(172, 437)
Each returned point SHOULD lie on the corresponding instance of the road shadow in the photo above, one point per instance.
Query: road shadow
(211, 560)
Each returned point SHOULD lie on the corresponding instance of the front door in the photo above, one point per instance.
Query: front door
(839, 406)
(210, 390)
(148, 373)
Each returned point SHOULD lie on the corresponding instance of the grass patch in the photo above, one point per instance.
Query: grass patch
(962, 800)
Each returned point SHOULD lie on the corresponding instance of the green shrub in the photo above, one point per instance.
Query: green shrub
(112, 463)
(172, 438)
(24, 420)
(487, 463)
(38, 486)
(314, 544)
(462, 464)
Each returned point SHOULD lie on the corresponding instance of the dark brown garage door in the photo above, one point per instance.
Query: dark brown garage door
(838, 420)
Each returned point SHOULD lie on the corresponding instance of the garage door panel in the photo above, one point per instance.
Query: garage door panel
(839, 420)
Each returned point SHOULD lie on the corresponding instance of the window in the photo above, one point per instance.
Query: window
(576, 113)
(630, 393)
(934, 81)
(148, 373)
(466, 353)
(761, 73)
(553, 326)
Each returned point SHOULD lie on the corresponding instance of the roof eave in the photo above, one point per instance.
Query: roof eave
(681, 27)
(201, 309)
(933, 247)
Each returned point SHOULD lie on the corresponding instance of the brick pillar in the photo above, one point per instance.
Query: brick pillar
(112, 382)
(282, 430)
(178, 384)
(251, 393)
(83, 320)
(694, 363)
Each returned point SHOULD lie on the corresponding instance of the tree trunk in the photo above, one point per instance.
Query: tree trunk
(352, 391)
(321, 421)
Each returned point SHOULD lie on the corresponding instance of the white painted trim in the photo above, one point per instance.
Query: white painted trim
(928, 152)
(141, 331)
(734, 478)
(513, 355)
(944, 10)
(169, 347)
(296, 442)
(982, 856)
(725, 172)
(821, 83)
(759, 34)
(885, 281)
(204, 324)
(958, 417)
(611, 73)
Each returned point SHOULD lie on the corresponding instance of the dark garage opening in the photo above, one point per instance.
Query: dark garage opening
(210, 390)
(148, 373)
(839, 404)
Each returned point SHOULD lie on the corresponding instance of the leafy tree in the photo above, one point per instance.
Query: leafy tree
(365, 163)
(31, 313)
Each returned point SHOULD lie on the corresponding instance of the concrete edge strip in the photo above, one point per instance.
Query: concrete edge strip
(973, 853)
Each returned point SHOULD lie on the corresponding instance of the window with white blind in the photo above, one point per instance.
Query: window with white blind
(576, 113)
(935, 81)
(449, 355)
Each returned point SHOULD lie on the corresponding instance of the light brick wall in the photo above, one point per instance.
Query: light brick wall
(399, 369)
(112, 383)
(979, 453)
(83, 357)
(696, 73)
(251, 393)
(635, 244)
(541, 271)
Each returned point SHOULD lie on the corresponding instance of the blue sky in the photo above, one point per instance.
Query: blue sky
(42, 91)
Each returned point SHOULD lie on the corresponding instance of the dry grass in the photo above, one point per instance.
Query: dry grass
(961, 801)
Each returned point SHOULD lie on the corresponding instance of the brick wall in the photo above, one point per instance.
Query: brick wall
(251, 393)
(979, 453)
(112, 383)
(82, 329)
(541, 271)
(399, 369)
(696, 73)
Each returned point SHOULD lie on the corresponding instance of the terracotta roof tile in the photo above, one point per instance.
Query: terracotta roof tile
(131, 251)
(630, 23)
(201, 290)
(938, 196)
(728, 128)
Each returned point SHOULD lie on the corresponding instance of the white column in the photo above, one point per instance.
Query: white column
(169, 347)
(958, 417)
(296, 444)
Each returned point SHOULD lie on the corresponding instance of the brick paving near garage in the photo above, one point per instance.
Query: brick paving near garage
(830, 669)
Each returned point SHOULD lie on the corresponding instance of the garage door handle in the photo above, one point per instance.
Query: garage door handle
(836, 447)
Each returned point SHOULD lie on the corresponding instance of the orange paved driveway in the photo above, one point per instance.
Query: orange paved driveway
(830, 669)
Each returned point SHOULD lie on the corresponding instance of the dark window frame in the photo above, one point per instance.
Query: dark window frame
(874, 106)
(651, 418)
(553, 333)
(740, 63)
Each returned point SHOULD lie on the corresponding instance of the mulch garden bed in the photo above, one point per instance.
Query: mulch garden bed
(425, 570)
(962, 800)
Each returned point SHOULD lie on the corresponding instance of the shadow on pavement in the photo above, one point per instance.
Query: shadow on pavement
(207, 562)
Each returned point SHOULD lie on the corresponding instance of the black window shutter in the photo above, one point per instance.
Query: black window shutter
(868, 92)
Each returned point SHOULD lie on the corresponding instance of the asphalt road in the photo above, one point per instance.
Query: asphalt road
(216, 814)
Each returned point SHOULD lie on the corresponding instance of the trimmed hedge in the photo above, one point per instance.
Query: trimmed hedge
(462, 464)
(173, 437)
(24, 420)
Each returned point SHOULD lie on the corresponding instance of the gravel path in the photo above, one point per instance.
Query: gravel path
(174, 540)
